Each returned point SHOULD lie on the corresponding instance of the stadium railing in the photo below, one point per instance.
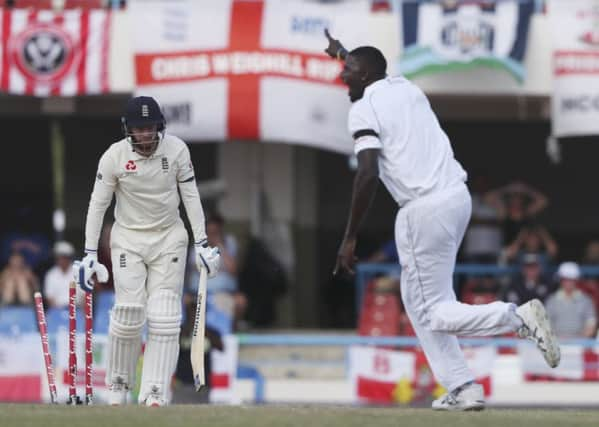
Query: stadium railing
(366, 271)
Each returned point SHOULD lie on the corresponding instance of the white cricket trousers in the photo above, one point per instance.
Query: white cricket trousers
(144, 262)
(428, 233)
(148, 269)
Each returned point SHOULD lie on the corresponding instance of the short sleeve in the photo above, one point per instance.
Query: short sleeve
(588, 310)
(106, 172)
(364, 126)
(184, 165)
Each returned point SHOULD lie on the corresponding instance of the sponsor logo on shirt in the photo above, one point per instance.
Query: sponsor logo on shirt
(130, 166)
(99, 176)
(165, 165)
(123, 260)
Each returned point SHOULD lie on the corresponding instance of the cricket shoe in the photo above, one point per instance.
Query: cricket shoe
(468, 397)
(536, 328)
(155, 398)
(117, 392)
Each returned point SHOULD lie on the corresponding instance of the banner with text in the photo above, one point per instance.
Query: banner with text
(449, 35)
(238, 70)
(575, 101)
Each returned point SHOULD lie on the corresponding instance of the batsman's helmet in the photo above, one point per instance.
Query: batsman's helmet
(142, 112)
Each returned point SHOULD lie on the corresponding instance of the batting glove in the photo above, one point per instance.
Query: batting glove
(84, 270)
(207, 257)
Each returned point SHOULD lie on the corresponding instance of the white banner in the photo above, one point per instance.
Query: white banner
(238, 70)
(224, 371)
(575, 103)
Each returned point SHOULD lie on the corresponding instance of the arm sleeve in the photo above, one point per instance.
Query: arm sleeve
(590, 316)
(364, 126)
(100, 200)
(190, 195)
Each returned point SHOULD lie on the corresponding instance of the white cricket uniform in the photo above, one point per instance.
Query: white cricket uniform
(148, 251)
(418, 168)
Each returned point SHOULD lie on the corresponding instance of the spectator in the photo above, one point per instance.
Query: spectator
(532, 239)
(59, 277)
(484, 239)
(571, 312)
(17, 282)
(516, 204)
(591, 253)
(530, 283)
(223, 290)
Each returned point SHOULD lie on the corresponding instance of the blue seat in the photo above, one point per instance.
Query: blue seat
(57, 319)
(103, 303)
(218, 319)
(101, 321)
(104, 300)
(17, 320)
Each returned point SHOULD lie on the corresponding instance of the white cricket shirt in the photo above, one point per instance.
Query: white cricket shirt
(145, 189)
(56, 287)
(416, 158)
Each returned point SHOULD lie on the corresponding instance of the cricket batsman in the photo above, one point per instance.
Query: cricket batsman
(398, 139)
(146, 171)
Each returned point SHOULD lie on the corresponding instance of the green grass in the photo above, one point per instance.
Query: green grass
(283, 415)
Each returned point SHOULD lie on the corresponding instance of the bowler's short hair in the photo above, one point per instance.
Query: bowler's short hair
(371, 58)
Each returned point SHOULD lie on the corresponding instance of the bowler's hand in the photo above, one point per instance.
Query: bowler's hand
(335, 49)
(346, 258)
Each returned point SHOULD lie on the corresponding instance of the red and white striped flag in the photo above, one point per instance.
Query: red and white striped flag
(46, 53)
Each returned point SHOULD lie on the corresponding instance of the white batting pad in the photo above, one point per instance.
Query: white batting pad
(124, 343)
(162, 348)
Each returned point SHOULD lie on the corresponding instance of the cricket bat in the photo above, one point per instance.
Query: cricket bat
(197, 338)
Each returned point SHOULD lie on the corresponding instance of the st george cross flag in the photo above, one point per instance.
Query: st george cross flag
(247, 70)
(575, 33)
(47, 53)
(451, 34)
(380, 375)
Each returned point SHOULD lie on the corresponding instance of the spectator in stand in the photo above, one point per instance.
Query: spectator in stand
(58, 278)
(223, 290)
(517, 204)
(530, 283)
(570, 311)
(591, 253)
(532, 239)
(483, 240)
(590, 285)
(17, 282)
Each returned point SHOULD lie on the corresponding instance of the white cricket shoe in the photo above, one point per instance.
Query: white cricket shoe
(469, 397)
(155, 398)
(537, 329)
(117, 393)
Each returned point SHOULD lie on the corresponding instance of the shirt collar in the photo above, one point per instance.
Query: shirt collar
(374, 85)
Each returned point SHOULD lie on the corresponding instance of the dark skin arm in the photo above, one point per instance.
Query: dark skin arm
(335, 49)
(365, 185)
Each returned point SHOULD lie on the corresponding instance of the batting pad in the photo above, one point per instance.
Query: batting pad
(124, 342)
(162, 348)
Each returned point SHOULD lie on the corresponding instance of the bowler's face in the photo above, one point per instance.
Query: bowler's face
(354, 77)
